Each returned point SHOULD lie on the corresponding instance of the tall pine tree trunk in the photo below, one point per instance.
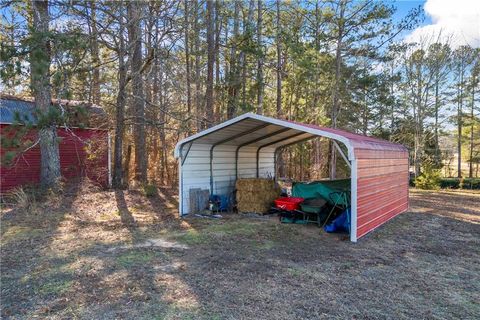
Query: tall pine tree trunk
(279, 62)
(437, 107)
(94, 50)
(418, 121)
(218, 21)
(198, 96)
(187, 63)
(247, 32)
(260, 58)
(460, 122)
(210, 61)
(233, 80)
(135, 41)
(280, 162)
(163, 140)
(336, 90)
(40, 59)
(472, 125)
(119, 180)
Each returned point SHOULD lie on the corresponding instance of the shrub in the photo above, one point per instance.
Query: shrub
(149, 190)
(456, 183)
(429, 179)
(449, 183)
(471, 183)
(23, 199)
(411, 179)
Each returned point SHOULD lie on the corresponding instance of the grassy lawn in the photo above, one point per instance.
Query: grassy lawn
(120, 255)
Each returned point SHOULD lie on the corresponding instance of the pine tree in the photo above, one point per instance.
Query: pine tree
(40, 82)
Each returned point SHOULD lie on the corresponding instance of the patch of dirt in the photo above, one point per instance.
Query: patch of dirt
(93, 254)
(152, 243)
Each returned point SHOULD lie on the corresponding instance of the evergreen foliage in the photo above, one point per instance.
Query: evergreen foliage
(333, 63)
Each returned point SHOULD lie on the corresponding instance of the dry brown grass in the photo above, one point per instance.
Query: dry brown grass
(120, 255)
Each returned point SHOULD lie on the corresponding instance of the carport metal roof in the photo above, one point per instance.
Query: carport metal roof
(260, 131)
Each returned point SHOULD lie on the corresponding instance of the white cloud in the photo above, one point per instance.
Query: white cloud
(453, 21)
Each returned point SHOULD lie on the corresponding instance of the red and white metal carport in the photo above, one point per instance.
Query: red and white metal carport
(246, 146)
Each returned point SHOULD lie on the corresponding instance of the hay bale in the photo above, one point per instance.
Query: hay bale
(255, 184)
(256, 195)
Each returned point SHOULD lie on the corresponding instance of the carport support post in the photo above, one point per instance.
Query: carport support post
(180, 189)
(353, 200)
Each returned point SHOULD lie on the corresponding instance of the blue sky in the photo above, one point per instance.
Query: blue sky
(456, 21)
(403, 7)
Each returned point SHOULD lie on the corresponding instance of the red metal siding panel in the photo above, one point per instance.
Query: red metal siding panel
(381, 219)
(385, 170)
(379, 154)
(83, 152)
(382, 187)
(371, 210)
(373, 200)
(366, 184)
(26, 168)
(372, 163)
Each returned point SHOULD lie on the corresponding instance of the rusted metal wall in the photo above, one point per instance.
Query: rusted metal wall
(83, 153)
(382, 187)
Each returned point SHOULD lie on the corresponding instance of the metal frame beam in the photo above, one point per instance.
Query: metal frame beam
(184, 157)
(253, 141)
(275, 153)
(342, 154)
(206, 134)
(272, 143)
(227, 140)
(191, 141)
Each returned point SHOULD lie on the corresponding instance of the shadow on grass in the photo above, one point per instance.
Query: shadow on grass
(28, 268)
(241, 268)
(126, 216)
(164, 203)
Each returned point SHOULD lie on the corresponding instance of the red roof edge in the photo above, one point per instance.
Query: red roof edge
(358, 140)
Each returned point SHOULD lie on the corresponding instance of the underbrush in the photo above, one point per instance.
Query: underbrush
(446, 183)
(25, 198)
(429, 179)
(460, 183)
(30, 198)
(149, 190)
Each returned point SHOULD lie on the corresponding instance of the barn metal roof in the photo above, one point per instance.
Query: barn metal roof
(261, 131)
(13, 108)
(10, 109)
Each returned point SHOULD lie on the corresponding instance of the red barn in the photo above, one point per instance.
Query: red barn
(84, 147)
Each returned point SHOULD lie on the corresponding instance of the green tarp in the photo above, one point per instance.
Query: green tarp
(323, 189)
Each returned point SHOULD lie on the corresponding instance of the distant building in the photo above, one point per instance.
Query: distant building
(448, 146)
(84, 145)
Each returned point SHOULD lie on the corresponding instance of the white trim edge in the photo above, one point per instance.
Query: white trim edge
(274, 121)
(180, 189)
(353, 207)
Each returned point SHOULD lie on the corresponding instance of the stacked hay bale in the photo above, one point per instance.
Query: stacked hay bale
(256, 195)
